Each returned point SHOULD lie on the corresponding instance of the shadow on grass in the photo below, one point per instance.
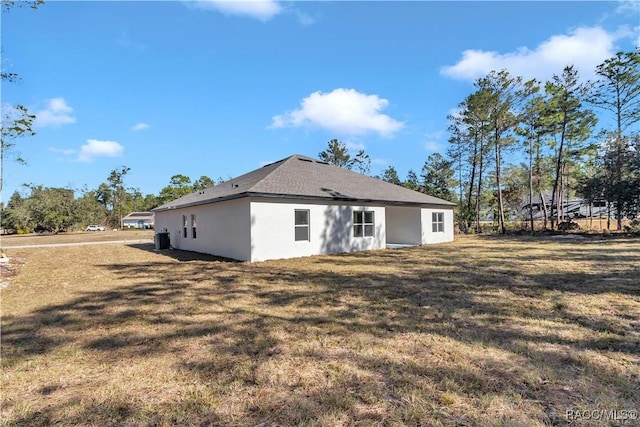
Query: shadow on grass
(463, 331)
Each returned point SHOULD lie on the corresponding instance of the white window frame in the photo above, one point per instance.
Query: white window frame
(362, 227)
(193, 226)
(437, 222)
(299, 226)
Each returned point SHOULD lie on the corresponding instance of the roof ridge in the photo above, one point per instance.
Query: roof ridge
(278, 164)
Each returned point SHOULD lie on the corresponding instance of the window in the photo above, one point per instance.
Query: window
(301, 225)
(363, 223)
(184, 226)
(193, 226)
(437, 222)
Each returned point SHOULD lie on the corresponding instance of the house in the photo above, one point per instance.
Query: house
(138, 220)
(300, 206)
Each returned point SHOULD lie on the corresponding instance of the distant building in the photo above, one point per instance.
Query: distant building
(572, 209)
(140, 220)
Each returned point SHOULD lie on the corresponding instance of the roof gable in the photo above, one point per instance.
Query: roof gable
(304, 177)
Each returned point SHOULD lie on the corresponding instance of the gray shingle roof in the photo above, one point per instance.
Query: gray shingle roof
(301, 177)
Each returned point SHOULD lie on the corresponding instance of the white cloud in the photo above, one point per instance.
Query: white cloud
(140, 126)
(584, 47)
(63, 151)
(354, 146)
(303, 18)
(57, 113)
(342, 111)
(432, 146)
(95, 148)
(259, 9)
(628, 6)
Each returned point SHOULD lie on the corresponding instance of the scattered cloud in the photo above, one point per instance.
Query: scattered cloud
(125, 41)
(95, 148)
(628, 6)
(432, 146)
(433, 143)
(140, 126)
(584, 47)
(56, 113)
(354, 146)
(63, 151)
(303, 18)
(263, 10)
(341, 111)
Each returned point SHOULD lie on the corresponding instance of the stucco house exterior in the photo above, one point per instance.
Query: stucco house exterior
(138, 220)
(300, 206)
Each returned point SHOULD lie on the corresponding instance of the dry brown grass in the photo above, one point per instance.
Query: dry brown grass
(479, 332)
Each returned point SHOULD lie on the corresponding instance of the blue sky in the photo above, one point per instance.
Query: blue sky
(221, 88)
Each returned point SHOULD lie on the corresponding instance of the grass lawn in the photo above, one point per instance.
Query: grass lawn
(484, 331)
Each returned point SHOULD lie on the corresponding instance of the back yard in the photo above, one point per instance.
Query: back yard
(484, 331)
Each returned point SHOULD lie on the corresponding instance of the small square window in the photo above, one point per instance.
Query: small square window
(363, 223)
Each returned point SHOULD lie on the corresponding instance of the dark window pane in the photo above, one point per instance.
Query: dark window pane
(368, 217)
(302, 217)
(302, 233)
(357, 230)
(368, 230)
(357, 217)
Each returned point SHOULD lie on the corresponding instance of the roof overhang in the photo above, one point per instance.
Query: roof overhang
(350, 200)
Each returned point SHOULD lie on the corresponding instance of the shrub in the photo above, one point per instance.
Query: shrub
(568, 226)
(634, 227)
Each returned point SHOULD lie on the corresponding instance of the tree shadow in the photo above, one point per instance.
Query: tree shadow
(324, 313)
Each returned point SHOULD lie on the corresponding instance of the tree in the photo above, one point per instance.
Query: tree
(202, 183)
(336, 154)
(506, 95)
(16, 120)
(16, 215)
(438, 177)
(180, 185)
(33, 4)
(362, 163)
(412, 182)
(391, 175)
(112, 195)
(470, 129)
(618, 91)
(532, 130)
(572, 124)
(51, 209)
(88, 210)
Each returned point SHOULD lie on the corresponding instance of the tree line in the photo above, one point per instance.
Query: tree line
(58, 209)
(516, 143)
(512, 143)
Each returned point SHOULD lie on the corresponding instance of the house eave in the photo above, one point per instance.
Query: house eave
(443, 204)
